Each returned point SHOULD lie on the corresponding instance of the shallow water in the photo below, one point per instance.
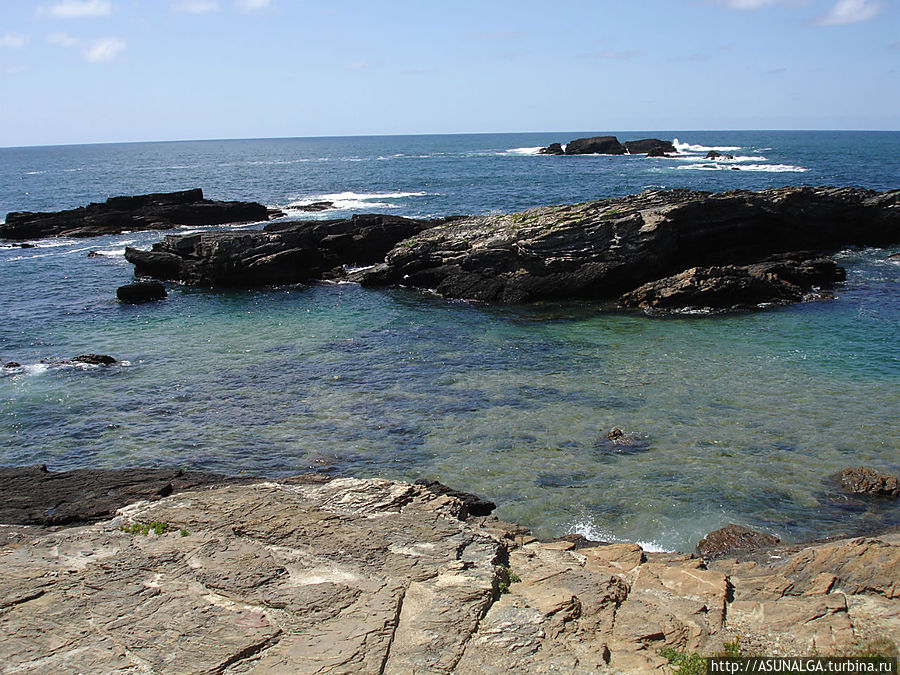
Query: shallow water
(737, 418)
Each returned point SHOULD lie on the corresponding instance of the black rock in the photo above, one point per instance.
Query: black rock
(657, 152)
(648, 145)
(552, 149)
(315, 206)
(141, 212)
(12, 364)
(95, 359)
(595, 145)
(142, 291)
(35, 496)
(475, 505)
(618, 442)
(712, 154)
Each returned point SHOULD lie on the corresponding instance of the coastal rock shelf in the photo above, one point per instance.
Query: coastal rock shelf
(160, 211)
(662, 250)
(318, 575)
(610, 145)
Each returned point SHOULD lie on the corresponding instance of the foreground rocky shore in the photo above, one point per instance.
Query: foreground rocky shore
(664, 250)
(321, 575)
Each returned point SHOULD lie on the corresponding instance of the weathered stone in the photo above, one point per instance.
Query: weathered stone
(868, 481)
(552, 149)
(650, 146)
(733, 538)
(714, 154)
(142, 212)
(595, 145)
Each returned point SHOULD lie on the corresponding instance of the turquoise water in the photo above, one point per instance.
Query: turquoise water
(740, 418)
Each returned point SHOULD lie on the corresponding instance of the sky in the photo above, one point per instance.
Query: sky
(85, 71)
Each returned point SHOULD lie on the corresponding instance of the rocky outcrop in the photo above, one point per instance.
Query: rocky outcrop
(142, 212)
(282, 253)
(610, 145)
(552, 149)
(95, 359)
(312, 575)
(733, 539)
(140, 292)
(602, 249)
(715, 154)
(595, 145)
(866, 481)
(733, 287)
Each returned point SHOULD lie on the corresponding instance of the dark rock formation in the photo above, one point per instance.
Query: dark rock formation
(649, 145)
(552, 149)
(713, 154)
(475, 505)
(35, 496)
(314, 207)
(287, 252)
(600, 250)
(142, 291)
(12, 364)
(595, 145)
(143, 212)
(734, 287)
(867, 481)
(657, 152)
(618, 442)
(733, 538)
(95, 359)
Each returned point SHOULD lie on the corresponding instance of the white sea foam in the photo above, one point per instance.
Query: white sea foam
(765, 168)
(524, 151)
(688, 147)
(111, 252)
(345, 201)
(589, 531)
(34, 173)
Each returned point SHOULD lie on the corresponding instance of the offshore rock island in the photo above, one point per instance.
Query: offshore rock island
(671, 249)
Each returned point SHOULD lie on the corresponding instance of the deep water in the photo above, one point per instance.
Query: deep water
(740, 418)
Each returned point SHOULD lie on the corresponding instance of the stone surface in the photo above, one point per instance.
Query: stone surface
(141, 212)
(552, 149)
(733, 538)
(868, 481)
(600, 250)
(140, 292)
(285, 252)
(595, 145)
(649, 146)
(95, 359)
(311, 575)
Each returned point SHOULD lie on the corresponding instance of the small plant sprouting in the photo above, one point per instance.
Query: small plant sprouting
(506, 579)
(732, 649)
(683, 663)
(156, 527)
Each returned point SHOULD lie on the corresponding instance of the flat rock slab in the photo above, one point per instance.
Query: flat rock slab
(311, 575)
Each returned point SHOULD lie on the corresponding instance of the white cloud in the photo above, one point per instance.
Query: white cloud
(851, 11)
(196, 6)
(104, 49)
(251, 5)
(78, 9)
(13, 40)
(62, 40)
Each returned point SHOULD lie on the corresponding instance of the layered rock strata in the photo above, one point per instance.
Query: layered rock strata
(161, 211)
(314, 575)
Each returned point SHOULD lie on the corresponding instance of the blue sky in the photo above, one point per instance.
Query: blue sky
(80, 71)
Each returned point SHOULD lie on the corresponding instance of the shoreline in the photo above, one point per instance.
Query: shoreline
(316, 574)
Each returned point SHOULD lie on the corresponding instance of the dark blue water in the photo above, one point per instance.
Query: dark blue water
(742, 416)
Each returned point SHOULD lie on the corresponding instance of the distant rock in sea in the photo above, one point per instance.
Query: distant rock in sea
(610, 145)
(161, 211)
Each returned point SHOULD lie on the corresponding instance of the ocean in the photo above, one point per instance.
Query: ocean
(743, 416)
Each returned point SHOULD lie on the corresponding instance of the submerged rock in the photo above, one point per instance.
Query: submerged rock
(141, 212)
(621, 442)
(12, 364)
(314, 207)
(714, 154)
(733, 538)
(142, 291)
(866, 481)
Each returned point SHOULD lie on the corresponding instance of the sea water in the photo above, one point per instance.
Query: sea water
(741, 417)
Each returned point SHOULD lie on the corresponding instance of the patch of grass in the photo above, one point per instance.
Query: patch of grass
(878, 647)
(506, 578)
(732, 649)
(156, 527)
(612, 213)
(684, 664)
